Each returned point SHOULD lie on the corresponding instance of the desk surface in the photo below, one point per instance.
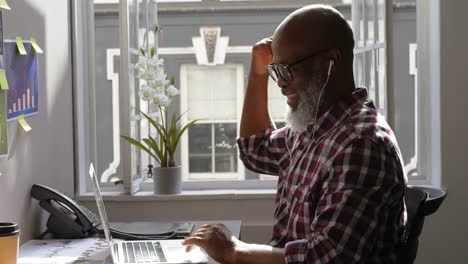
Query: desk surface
(58, 251)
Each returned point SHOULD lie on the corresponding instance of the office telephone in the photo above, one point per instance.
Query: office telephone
(68, 218)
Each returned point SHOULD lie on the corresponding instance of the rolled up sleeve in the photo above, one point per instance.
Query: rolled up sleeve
(261, 152)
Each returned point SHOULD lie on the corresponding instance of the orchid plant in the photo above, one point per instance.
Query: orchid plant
(160, 92)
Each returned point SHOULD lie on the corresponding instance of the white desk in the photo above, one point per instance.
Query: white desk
(68, 250)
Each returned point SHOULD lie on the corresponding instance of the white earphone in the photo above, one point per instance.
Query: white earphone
(330, 67)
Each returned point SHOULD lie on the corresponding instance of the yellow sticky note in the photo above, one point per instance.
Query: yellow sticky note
(4, 5)
(19, 44)
(35, 46)
(3, 80)
(23, 123)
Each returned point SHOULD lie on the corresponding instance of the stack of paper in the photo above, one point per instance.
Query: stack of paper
(60, 251)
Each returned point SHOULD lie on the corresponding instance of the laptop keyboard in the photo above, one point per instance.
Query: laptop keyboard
(143, 252)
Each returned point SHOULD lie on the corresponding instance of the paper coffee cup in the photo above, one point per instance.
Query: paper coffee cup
(9, 243)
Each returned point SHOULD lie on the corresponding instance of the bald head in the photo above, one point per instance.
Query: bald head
(313, 28)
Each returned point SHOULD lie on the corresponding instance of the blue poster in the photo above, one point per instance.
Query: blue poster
(23, 80)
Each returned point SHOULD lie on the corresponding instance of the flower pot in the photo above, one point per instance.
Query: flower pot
(167, 180)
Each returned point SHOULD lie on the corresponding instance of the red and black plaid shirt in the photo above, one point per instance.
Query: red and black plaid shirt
(340, 191)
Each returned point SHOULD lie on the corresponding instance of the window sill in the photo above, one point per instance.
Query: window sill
(258, 194)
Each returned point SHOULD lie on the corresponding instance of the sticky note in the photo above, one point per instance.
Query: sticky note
(19, 44)
(23, 123)
(3, 80)
(35, 46)
(4, 5)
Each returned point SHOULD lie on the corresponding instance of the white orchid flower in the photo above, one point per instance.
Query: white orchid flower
(161, 99)
(165, 100)
(142, 62)
(158, 76)
(172, 91)
(153, 62)
(146, 93)
(143, 74)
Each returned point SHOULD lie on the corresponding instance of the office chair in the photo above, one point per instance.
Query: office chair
(420, 202)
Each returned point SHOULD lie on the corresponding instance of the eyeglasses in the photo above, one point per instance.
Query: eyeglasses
(284, 70)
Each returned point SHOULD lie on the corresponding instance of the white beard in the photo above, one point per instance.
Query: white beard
(306, 109)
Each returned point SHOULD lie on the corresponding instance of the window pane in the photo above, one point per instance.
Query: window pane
(370, 74)
(381, 20)
(213, 98)
(101, 110)
(226, 147)
(359, 23)
(380, 54)
(200, 145)
(276, 101)
(370, 21)
(359, 69)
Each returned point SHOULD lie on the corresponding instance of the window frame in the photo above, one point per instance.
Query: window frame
(83, 76)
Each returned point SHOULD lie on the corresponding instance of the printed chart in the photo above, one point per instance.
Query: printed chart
(23, 80)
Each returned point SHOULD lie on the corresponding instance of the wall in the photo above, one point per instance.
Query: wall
(45, 154)
(444, 238)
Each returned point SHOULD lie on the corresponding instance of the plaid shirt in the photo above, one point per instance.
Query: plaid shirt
(340, 191)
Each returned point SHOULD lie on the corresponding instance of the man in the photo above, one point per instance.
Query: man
(341, 180)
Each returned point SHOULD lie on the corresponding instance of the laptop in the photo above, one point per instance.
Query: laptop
(143, 251)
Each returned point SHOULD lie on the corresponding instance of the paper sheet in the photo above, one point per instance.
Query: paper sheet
(35, 45)
(3, 80)
(20, 45)
(24, 124)
(4, 5)
(59, 251)
(22, 74)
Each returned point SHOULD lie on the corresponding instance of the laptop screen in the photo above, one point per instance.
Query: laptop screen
(102, 210)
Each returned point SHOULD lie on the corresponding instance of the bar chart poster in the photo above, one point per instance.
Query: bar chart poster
(23, 80)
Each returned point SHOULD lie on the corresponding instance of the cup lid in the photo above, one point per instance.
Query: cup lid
(8, 229)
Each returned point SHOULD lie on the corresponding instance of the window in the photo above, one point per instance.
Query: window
(368, 23)
(396, 98)
(208, 151)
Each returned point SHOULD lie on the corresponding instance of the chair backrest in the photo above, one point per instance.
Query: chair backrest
(414, 200)
(420, 202)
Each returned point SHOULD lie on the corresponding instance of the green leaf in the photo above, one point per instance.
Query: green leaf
(173, 133)
(172, 79)
(152, 51)
(140, 146)
(191, 123)
(158, 127)
(182, 115)
(142, 51)
(154, 146)
(163, 142)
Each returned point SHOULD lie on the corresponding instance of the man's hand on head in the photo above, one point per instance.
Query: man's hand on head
(261, 56)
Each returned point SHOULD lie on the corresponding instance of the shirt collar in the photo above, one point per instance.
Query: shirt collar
(338, 112)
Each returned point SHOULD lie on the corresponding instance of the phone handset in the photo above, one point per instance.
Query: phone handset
(68, 218)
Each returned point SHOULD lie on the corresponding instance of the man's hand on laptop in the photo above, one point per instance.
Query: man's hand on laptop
(216, 240)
